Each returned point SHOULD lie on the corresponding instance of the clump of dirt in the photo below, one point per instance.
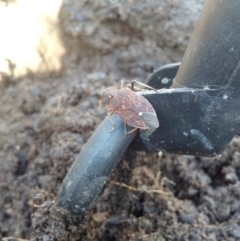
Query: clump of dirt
(44, 124)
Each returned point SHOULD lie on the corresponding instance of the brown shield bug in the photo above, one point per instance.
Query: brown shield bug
(132, 108)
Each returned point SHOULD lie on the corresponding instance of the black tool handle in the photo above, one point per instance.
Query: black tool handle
(91, 169)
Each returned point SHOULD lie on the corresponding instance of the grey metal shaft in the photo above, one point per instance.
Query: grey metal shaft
(91, 169)
(213, 53)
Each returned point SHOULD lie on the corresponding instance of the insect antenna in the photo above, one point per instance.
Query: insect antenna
(138, 82)
(132, 85)
(109, 92)
(122, 82)
(100, 100)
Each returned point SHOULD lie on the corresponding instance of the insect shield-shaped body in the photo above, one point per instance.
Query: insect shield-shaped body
(132, 108)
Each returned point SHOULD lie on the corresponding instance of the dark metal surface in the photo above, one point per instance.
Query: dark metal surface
(196, 122)
(213, 53)
(163, 77)
(203, 118)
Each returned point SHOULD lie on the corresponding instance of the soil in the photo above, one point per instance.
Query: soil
(45, 119)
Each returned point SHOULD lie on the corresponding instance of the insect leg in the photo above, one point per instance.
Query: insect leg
(126, 131)
(132, 131)
(125, 128)
(138, 82)
(100, 101)
(110, 117)
(108, 107)
(132, 87)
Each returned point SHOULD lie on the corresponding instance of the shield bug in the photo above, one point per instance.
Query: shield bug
(132, 108)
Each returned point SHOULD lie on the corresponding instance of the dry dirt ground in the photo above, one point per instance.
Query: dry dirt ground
(45, 119)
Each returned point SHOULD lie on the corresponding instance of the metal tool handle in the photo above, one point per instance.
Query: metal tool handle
(91, 169)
